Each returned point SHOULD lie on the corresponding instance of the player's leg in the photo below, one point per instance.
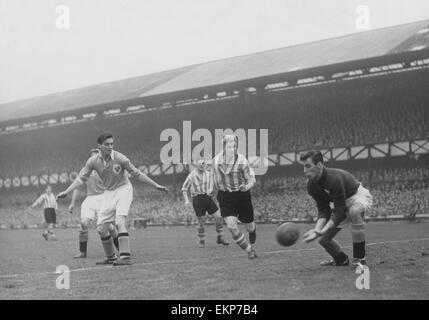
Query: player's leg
(219, 228)
(123, 197)
(50, 218)
(124, 241)
(114, 233)
(201, 230)
(46, 216)
(87, 213)
(107, 241)
(200, 212)
(212, 209)
(228, 208)
(247, 216)
(357, 205)
(356, 214)
(251, 229)
(83, 238)
(333, 249)
(238, 236)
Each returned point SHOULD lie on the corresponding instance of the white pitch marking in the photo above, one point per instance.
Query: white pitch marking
(195, 260)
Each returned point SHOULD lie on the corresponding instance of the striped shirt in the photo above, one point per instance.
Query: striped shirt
(199, 182)
(48, 201)
(229, 177)
(113, 172)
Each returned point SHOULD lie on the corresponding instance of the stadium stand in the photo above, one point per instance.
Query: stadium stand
(389, 107)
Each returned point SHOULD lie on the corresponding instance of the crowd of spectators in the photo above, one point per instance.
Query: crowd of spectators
(396, 191)
(374, 111)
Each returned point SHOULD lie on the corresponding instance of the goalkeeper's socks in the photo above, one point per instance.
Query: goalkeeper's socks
(359, 250)
(341, 258)
(124, 245)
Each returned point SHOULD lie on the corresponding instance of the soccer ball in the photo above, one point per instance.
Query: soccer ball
(287, 234)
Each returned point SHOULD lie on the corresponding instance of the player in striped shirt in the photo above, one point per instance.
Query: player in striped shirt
(89, 209)
(113, 168)
(233, 177)
(200, 184)
(50, 205)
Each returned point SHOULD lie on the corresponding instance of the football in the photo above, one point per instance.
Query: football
(287, 234)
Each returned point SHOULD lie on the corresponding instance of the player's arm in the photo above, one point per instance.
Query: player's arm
(136, 173)
(185, 188)
(37, 202)
(321, 222)
(324, 213)
(249, 176)
(75, 184)
(75, 195)
(338, 193)
(81, 179)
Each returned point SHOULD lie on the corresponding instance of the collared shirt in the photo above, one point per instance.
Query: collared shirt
(48, 201)
(113, 172)
(199, 182)
(229, 177)
(335, 185)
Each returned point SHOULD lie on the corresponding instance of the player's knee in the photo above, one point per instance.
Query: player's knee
(250, 227)
(356, 213)
(85, 224)
(231, 224)
(201, 220)
(103, 229)
(217, 215)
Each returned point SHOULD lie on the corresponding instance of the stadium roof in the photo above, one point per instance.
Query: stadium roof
(403, 38)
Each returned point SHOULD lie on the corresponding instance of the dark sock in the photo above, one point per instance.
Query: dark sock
(340, 258)
(83, 246)
(359, 250)
(116, 243)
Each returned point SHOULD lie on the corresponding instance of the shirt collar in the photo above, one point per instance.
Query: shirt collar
(112, 156)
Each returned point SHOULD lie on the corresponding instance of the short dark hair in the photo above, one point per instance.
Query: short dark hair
(93, 151)
(103, 137)
(315, 156)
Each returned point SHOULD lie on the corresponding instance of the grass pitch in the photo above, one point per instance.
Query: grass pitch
(169, 265)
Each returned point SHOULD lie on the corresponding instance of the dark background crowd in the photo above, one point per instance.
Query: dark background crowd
(354, 113)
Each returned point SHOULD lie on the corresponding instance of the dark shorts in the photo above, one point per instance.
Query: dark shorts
(203, 203)
(50, 215)
(237, 204)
